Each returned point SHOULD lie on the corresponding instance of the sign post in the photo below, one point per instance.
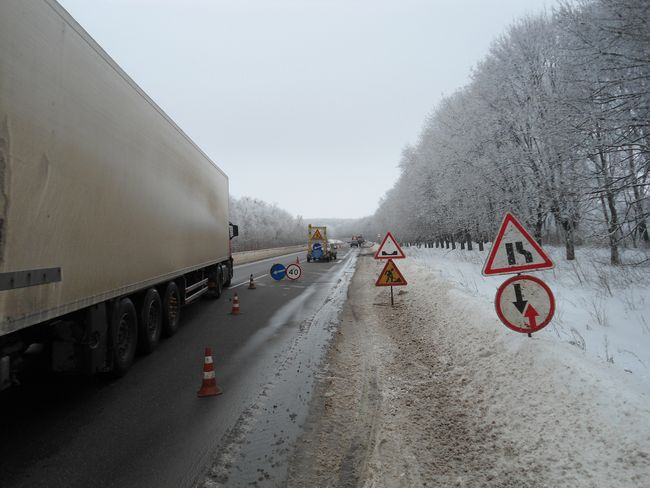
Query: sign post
(391, 276)
(523, 303)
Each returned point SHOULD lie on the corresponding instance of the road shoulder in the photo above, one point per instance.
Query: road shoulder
(433, 393)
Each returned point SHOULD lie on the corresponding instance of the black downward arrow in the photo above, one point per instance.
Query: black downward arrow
(520, 303)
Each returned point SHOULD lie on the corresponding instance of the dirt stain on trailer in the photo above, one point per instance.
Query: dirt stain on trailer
(4, 184)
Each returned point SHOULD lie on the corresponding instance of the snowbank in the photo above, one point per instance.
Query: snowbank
(602, 310)
(243, 257)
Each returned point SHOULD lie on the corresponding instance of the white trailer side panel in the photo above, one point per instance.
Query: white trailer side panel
(94, 177)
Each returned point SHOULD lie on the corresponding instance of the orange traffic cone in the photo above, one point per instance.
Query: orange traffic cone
(209, 386)
(235, 305)
(251, 284)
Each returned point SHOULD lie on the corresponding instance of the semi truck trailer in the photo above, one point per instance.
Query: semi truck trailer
(111, 218)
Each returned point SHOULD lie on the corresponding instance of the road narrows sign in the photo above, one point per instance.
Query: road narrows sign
(525, 304)
(389, 249)
(293, 271)
(514, 250)
(391, 276)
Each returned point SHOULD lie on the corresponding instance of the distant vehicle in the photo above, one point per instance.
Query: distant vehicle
(333, 248)
(318, 248)
(357, 241)
(117, 219)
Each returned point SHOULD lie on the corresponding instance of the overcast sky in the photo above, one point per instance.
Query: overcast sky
(303, 103)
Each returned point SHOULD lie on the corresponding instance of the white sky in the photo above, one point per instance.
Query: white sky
(303, 103)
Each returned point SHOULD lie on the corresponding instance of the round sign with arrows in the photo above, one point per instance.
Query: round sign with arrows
(525, 304)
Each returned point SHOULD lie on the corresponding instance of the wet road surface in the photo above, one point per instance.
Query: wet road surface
(150, 429)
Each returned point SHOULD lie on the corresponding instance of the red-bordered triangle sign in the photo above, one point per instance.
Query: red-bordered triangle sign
(391, 276)
(514, 250)
(389, 249)
(317, 235)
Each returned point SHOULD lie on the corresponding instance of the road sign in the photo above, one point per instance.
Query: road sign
(317, 235)
(389, 249)
(525, 304)
(391, 276)
(278, 271)
(317, 250)
(293, 271)
(514, 250)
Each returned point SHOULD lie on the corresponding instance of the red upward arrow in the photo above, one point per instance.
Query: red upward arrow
(531, 314)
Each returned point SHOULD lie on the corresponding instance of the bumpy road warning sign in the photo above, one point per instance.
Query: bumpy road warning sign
(389, 249)
(525, 304)
(514, 250)
(391, 276)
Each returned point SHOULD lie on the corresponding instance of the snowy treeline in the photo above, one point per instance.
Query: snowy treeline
(554, 126)
(262, 225)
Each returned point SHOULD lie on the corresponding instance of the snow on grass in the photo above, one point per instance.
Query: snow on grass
(602, 310)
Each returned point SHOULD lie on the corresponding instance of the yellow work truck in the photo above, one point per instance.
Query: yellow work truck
(317, 247)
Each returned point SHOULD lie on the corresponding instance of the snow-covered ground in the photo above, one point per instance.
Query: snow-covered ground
(602, 310)
(436, 392)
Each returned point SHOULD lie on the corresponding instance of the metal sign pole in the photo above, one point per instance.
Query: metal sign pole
(392, 304)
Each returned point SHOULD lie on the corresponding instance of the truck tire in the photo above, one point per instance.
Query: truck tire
(228, 282)
(216, 277)
(124, 336)
(171, 311)
(150, 326)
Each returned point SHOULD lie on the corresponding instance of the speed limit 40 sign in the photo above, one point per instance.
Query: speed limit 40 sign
(293, 271)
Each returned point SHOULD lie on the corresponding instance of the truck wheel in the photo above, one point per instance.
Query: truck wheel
(171, 311)
(216, 277)
(124, 325)
(308, 259)
(150, 321)
(228, 282)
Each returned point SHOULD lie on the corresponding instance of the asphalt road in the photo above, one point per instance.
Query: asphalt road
(149, 428)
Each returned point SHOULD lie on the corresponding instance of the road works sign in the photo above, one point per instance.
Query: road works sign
(293, 271)
(391, 276)
(514, 250)
(525, 304)
(317, 236)
(389, 249)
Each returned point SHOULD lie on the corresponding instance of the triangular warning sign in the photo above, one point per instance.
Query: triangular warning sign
(391, 276)
(317, 235)
(389, 249)
(514, 250)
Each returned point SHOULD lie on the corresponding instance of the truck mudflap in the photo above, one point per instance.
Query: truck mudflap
(81, 346)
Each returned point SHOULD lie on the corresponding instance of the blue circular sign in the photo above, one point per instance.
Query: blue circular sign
(317, 250)
(278, 271)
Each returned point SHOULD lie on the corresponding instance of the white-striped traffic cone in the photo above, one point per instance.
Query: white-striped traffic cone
(209, 386)
(235, 305)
